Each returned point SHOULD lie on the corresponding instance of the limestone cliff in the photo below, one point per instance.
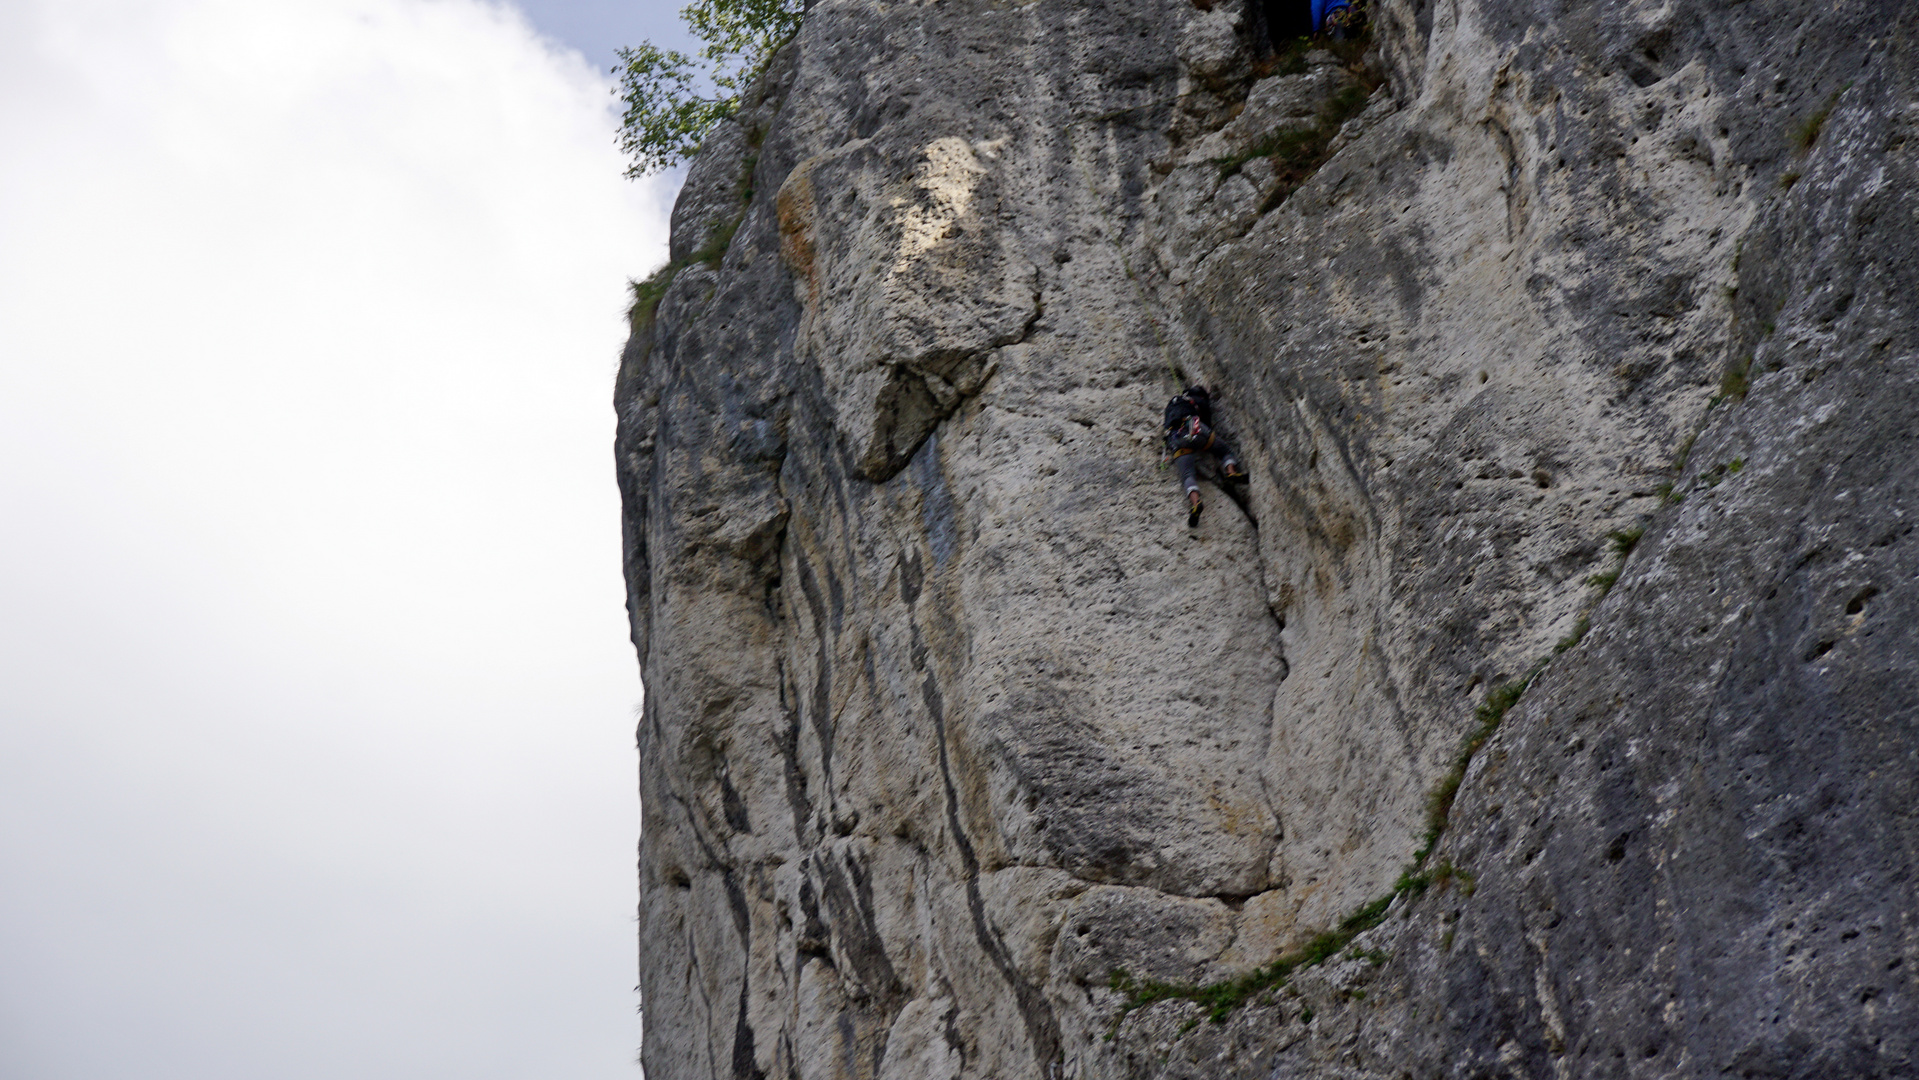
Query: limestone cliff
(949, 717)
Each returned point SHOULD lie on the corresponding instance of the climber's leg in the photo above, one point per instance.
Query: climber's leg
(1229, 466)
(1187, 465)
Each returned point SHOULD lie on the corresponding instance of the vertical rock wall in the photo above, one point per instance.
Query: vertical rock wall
(949, 716)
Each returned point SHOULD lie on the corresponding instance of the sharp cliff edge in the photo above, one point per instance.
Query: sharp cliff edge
(1548, 704)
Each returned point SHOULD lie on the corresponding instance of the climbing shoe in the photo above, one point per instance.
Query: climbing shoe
(1233, 470)
(1194, 507)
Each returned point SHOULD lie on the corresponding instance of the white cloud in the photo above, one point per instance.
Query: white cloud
(315, 749)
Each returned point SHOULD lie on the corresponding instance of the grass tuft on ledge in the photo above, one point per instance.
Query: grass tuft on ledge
(1297, 153)
(647, 295)
(1218, 1000)
(1221, 998)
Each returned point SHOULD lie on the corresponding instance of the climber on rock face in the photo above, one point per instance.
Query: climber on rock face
(1189, 437)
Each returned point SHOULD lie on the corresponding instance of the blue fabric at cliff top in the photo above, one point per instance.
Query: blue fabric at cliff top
(1323, 8)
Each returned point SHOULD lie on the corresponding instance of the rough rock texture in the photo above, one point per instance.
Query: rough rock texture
(949, 716)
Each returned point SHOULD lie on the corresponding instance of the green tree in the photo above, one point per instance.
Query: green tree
(672, 99)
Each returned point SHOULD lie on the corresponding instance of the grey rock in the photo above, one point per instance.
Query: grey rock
(711, 197)
(949, 716)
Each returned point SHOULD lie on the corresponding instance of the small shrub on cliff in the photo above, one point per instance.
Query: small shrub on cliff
(1580, 626)
(647, 295)
(1297, 153)
(1221, 998)
(672, 100)
(1439, 804)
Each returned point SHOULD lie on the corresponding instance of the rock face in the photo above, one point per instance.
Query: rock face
(949, 716)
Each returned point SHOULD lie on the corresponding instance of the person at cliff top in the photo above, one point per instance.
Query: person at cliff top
(1342, 21)
(1189, 437)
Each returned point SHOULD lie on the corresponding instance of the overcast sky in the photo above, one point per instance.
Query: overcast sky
(316, 703)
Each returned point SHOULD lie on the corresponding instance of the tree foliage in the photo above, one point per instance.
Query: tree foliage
(672, 99)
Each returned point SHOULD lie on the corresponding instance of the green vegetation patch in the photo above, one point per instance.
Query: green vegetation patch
(1578, 634)
(1736, 380)
(1622, 542)
(1297, 153)
(1218, 1000)
(672, 99)
(647, 295)
(714, 250)
(1439, 803)
(1720, 472)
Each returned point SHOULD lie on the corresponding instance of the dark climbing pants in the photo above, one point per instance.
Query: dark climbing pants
(1187, 465)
